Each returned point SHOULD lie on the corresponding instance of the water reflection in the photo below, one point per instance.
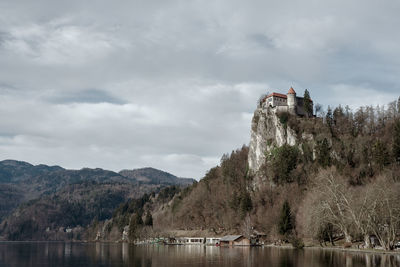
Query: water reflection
(120, 255)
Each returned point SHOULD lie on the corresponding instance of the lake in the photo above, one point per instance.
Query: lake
(45, 254)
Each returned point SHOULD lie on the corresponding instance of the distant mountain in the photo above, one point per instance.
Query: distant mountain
(154, 176)
(36, 198)
(12, 171)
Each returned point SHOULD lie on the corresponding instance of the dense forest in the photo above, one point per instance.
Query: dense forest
(341, 184)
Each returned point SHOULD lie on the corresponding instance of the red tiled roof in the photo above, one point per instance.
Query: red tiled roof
(277, 95)
(291, 91)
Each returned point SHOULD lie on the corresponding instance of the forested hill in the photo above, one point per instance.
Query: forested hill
(154, 176)
(36, 198)
(338, 175)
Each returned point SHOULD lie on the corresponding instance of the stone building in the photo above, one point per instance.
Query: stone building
(289, 102)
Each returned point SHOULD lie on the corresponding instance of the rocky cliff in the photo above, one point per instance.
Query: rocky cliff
(269, 129)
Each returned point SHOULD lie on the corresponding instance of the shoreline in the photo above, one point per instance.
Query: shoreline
(357, 250)
(351, 250)
(354, 250)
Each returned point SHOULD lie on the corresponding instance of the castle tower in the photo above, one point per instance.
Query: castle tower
(292, 101)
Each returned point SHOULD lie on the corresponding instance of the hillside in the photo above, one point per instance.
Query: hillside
(37, 200)
(154, 176)
(317, 178)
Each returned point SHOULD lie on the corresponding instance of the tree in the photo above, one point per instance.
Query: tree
(283, 161)
(245, 202)
(246, 227)
(355, 211)
(337, 115)
(325, 233)
(148, 221)
(323, 153)
(261, 100)
(132, 229)
(329, 118)
(331, 202)
(392, 110)
(135, 223)
(384, 215)
(398, 105)
(307, 104)
(396, 141)
(360, 118)
(381, 154)
(318, 109)
(286, 222)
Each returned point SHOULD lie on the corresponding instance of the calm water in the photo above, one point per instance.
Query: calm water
(97, 254)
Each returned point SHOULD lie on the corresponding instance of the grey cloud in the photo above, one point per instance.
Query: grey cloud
(86, 96)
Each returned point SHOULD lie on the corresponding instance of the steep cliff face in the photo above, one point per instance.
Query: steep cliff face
(269, 130)
(266, 132)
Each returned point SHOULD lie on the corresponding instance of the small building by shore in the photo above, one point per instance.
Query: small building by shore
(234, 240)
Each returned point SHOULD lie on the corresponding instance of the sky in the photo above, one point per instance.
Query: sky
(173, 84)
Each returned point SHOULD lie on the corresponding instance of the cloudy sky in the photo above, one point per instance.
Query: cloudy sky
(173, 84)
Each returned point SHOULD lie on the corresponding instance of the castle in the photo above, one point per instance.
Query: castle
(289, 102)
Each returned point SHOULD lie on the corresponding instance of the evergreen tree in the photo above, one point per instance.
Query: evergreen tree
(286, 222)
(337, 114)
(245, 202)
(329, 117)
(283, 161)
(381, 154)
(323, 155)
(307, 104)
(148, 220)
(234, 201)
(132, 228)
(396, 141)
(134, 224)
(138, 219)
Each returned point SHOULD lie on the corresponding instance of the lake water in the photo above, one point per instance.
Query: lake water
(45, 254)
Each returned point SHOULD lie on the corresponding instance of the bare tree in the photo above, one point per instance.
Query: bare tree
(246, 227)
(261, 100)
(372, 209)
(383, 218)
(333, 201)
(398, 106)
(392, 110)
(318, 109)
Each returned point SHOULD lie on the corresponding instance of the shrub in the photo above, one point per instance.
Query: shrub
(323, 153)
(286, 221)
(297, 242)
(347, 245)
(283, 117)
(282, 161)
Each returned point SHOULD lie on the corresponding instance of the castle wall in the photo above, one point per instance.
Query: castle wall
(276, 101)
(282, 109)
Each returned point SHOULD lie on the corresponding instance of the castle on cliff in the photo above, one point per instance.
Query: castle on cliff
(289, 102)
